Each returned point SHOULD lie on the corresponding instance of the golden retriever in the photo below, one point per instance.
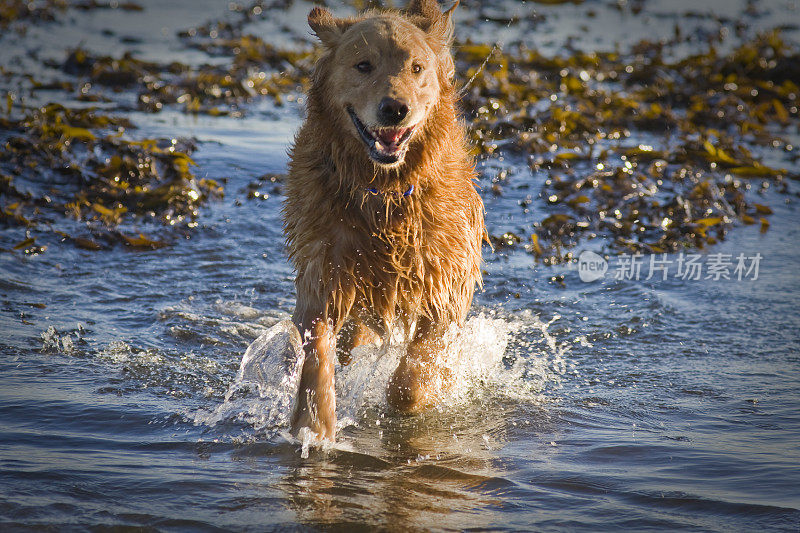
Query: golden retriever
(383, 223)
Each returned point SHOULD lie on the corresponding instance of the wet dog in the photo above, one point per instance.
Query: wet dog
(383, 223)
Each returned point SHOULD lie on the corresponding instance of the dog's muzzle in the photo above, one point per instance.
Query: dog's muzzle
(386, 145)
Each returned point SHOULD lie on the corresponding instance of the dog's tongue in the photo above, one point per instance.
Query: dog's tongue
(390, 136)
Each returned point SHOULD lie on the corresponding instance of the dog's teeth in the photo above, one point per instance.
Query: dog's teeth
(378, 146)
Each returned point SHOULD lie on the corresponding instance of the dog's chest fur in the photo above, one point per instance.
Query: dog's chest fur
(385, 255)
(381, 256)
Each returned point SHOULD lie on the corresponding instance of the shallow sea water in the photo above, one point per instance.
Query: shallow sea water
(616, 404)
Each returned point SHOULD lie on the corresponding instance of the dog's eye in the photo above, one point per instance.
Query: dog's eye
(416, 68)
(364, 67)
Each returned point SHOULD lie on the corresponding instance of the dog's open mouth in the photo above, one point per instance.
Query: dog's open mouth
(387, 145)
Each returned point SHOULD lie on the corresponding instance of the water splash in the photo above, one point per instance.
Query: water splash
(490, 357)
(473, 358)
(266, 384)
(536, 358)
(65, 342)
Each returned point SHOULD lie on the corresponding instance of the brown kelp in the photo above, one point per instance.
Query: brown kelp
(78, 163)
(708, 118)
(645, 148)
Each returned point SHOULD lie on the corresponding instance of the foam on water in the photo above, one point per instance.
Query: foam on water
(489, 357)
(230, 320)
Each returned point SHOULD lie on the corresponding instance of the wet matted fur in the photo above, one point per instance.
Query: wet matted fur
(383, 222)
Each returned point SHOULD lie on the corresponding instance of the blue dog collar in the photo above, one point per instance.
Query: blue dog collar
(408, 192)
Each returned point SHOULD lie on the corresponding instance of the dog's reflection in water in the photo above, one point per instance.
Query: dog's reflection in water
(429, 471)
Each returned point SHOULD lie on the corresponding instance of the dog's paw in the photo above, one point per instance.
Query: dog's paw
(308, 439)
(307, 427)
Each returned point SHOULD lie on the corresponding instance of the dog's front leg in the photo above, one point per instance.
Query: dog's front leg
(353, 333)
(420, 381)
(315, 407)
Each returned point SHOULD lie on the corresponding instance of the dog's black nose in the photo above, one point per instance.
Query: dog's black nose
(391, 111)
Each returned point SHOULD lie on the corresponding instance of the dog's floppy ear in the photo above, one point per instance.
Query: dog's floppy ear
(443, 28)
(327, 27)
(427, 9)
(427, 15)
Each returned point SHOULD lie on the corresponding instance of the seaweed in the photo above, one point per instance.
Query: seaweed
(638, 149)
(23, 10)
(78, 163)
(209, 89)
(571, 117)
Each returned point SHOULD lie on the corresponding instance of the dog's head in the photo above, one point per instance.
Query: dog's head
(385, 71)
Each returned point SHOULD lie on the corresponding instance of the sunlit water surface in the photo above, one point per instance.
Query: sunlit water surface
(613, 404)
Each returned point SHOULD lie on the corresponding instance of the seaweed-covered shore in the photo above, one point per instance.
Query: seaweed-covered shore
(643, 148)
